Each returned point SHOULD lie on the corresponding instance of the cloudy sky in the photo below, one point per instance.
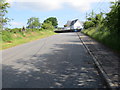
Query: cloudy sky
(64, 10)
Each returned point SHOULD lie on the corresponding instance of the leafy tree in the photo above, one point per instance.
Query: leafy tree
(53, 20)
(94, 20)
(99, 18)
(111, 20)
(47, 25)
(3, 10)
(33, 22)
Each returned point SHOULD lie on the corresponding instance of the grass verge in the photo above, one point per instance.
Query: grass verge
(110, 40)
(18, 39)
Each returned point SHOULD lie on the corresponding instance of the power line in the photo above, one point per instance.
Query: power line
(100, 4)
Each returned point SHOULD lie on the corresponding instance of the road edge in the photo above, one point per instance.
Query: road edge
(107, 80)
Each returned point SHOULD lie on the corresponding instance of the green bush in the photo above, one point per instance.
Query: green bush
(110, 40)
(88, 24)
(47, 26)
(105, 29)
(6, 36)
(15, 30)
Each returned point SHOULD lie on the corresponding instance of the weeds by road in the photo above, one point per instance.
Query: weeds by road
(106, 38)
(15, 39)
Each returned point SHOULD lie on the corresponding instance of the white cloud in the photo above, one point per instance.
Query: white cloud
(50, 5)
(16, 24)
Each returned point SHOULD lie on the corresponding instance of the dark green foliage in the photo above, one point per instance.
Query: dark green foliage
(47, 25)
(111, 20)
(88, 24)
(53, 20)
(105, 29)
(94, 20)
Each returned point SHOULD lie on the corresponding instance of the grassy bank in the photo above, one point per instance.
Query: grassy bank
(110, 40)
(24, 37)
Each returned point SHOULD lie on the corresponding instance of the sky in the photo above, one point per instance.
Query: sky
(21, 10)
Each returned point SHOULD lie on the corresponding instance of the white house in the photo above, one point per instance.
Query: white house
(75, 24)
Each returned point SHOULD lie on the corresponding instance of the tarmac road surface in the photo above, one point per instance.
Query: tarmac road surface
(59, 61)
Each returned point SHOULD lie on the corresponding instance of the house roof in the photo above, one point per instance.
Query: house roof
(73, 22)
(70, 23)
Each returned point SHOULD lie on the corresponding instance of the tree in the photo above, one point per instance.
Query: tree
(33, 22)
(3, 10)
(47, 26)
(94, 20)
(53, 20)
(112, 18)
(99, 19)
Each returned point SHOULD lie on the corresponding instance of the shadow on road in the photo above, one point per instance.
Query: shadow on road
(65, 66)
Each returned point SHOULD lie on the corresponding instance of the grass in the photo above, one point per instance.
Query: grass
(18, 38)
(110, 40)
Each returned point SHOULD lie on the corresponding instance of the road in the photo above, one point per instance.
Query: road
(59, 61)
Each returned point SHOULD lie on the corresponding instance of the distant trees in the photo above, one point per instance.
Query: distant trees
(33, 22)
(49, 23)
(53, 21)
(3, 10)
